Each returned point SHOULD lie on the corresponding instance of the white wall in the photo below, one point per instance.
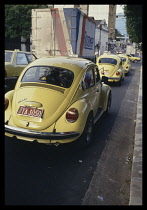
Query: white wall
(104, 39)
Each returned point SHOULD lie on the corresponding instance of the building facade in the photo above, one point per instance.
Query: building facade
(101, 37)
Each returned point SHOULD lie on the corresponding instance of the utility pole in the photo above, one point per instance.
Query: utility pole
(100, 39)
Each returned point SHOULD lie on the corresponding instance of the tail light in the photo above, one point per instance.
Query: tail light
(72, 115)
(117, 73)
(6, 102)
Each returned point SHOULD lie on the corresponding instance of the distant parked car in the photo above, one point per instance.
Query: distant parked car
(56, 100)
(111, 67)
(125, 62)
(133, 58)
(16, 61)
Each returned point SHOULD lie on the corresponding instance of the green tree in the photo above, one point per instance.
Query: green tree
(133, 15)
(18, 20)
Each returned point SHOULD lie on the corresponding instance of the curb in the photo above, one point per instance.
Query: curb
(136, 176)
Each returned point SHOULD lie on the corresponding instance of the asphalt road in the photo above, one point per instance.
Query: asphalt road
(37, 174)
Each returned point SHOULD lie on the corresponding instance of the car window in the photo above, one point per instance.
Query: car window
(21, 59)
(123, 59)
(30, 57)
(108, 60)
(49, 75)
(97, 75)
(89, 78)
(8, 56)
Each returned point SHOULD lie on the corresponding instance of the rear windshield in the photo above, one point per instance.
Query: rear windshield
(8, 56)
(123, 59)
(108, 60)
(49, 75)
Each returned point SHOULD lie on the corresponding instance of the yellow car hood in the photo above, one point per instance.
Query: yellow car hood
(52, 102)
(108, 70)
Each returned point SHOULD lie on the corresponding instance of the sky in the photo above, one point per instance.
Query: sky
(119, 9)
(121, 22)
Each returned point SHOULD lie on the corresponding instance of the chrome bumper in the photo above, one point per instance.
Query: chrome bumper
(114, 78)
(40, 135)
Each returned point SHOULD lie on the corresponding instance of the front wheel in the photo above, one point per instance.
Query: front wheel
(86, 137)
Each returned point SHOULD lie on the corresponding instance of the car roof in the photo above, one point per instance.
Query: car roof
(109, 56)
(17, 50)
(63, 62)
(123, 55)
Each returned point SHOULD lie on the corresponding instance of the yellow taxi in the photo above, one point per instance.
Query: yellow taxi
(56, 100)
(111, 67)
(125, 62)
(16, 61)
(133, 58)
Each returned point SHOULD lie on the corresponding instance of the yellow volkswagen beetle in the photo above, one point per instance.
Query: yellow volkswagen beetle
(133, 58)
(125, 62)
(56, 100)
(111, 66)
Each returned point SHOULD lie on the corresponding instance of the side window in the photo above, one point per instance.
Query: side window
(97, 75)
(89, 78)
(30, 57)
(21, 59)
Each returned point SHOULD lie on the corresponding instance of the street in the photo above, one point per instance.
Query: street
(37, 174)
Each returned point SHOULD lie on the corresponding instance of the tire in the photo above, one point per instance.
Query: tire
(86, 137)
(109, 103)
(119, 83)
(135, 61)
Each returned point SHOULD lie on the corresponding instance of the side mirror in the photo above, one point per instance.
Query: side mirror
(104, 79)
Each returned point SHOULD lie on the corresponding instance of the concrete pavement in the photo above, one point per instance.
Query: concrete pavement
(136, 177)
(110, 187)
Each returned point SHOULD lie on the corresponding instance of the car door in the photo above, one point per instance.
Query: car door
(93, 87)
(98, 87)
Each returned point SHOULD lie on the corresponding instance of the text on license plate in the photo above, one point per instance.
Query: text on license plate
(106, 72)
(30, 111)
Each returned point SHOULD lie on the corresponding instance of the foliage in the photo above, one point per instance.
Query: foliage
(133, 15)
(18, 20)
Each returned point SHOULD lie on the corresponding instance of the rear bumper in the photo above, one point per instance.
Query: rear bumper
(40, 135)
(126, 70)
(114, 78)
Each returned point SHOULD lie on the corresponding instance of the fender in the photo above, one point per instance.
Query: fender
(104, 96)
(84, 108)
(9, 96)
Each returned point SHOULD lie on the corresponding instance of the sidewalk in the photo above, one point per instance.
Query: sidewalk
(136, 177)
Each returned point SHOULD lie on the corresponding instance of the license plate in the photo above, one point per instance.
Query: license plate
(106, 72)
(30, 111)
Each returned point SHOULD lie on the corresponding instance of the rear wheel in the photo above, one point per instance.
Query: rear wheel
(86, 137)
(119, 83)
